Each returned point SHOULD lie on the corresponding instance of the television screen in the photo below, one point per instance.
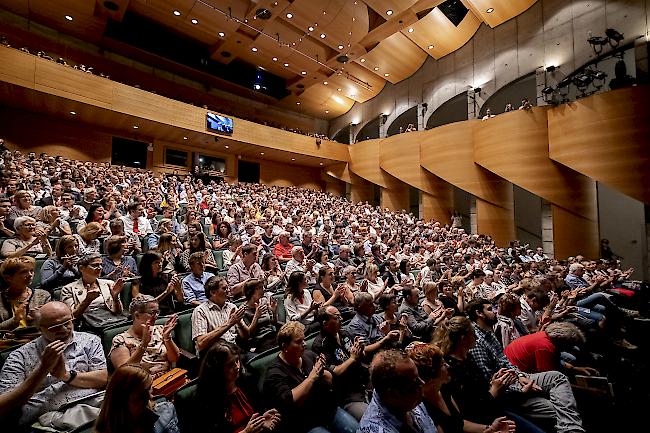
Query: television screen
(220, 124)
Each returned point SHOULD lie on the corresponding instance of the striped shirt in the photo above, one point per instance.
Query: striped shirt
(209, 316)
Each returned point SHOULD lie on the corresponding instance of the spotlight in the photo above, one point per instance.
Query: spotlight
(583, 80)
(548, 90)
(597, 43)
(477, 90)
(600, 75)
(614, 35)
(551, 68)
(564, 83)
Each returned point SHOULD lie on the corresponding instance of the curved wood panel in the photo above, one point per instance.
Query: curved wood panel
(515, 146)
(448, 152)
(399, 156)
(606, 137)
(397, 56)
(502, 11)
(496, 221)
(364, 162)
(116, 102)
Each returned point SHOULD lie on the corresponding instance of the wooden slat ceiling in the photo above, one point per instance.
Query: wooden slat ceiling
(388, 48)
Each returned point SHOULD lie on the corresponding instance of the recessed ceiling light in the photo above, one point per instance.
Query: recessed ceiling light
(389, 12)
(410, 30)
(376, 68)
(339, 89)
(362, 60)
(293, 159)
(289, 15)
(327, 111)
(286, 64)
(297, 103)
(222, 34)
(69, 18)
(325, 82)
(322, 35)
(386, 74)
(321, 163)
(194, 21)
(184, 138)
(304, 72)
(177, 13)
(310, 28)
(261, 153)
(135, 126)
(74, 113)
(226, 146)
(275, 59)
(340, 47)
(489, 10)
(430, 47)
(254, 49)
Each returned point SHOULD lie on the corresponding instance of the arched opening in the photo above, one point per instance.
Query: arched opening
(410, 116)
(453, 110)
(512, 93)
(343, 136)
(369, 131)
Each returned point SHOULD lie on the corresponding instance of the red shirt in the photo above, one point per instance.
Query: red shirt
(281, 251)
(533, 353)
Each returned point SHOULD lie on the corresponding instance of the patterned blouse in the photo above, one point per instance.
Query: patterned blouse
(154, 358)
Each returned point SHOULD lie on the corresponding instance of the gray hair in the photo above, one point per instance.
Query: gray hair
(295, 250)
(139, 302)
(565, 333)
(360, 298)
(87, 258)
(20, 221)
(574, 267)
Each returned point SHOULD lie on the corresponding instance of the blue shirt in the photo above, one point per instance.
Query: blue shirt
(575, 282)
(194, 287)
(378, 419)
(366, 327)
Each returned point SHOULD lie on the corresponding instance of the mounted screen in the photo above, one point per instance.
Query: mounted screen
(219, 124)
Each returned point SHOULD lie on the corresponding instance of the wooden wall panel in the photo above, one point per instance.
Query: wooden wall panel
(438, 206)
(515, 146)
(364, 162)
(496, 221)
(574, 235)
(399, 155)
(395, 198)
(361, 193)
(274, 173)
(17, 67)
(606, 137)
(30, 132)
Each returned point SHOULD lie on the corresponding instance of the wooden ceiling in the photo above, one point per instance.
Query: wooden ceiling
(385, 40)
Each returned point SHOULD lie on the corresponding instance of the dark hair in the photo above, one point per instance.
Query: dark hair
(508, 303)
(114, 244)
(293, 285)
(251, 286)
(475, 307)
(202, 245)
(402, 265)
(266, 260)
(212, 285)
(211, 384)
(385, 299)
(91, 212)
(223, 223)
(248, 248)
(383, 371)
(132, 206)
(144, 268)
(477, 273)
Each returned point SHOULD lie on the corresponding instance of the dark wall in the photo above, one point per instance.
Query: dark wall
(369, 131)
(454, 110)
(514, 92)
(403, 120)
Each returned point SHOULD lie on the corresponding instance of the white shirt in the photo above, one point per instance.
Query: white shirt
(209, 316)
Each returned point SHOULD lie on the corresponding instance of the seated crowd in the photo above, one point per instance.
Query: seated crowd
(371, 320)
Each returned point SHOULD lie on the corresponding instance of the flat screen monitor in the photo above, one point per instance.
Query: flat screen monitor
(219, 124)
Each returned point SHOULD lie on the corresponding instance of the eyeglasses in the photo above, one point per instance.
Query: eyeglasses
(60, 326)
(95, 266)
(152, 312)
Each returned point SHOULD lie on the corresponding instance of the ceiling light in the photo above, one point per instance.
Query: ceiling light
(489, 10)
(410, 30)
(325, 82)
(322, 35)
(293, 159)
(261, 153)
(194, 21)
(340, 47)
(430, 47)
(256, 86)
(135, 126)
(275, 59)
(226, 146)
(297, 103)
(376, 68)
(310, 28)
(386, 74)
(177, 13)
(327, 111)
(289, 15)
(362, 60)
(69, 18)
(389, 12)
(304, 72)
(184, 138)
(222, 34)
(321, 163)
(286, 64)
(254, 49)
(339, 89)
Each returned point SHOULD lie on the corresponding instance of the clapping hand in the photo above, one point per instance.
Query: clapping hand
(318, 369)
(117, 288)
(356, 351)
(502, 425)
(170, 324)
(255, 424)
(51, 355)
(271, 419)
(501, 380)
(236, 315)
(315, 306)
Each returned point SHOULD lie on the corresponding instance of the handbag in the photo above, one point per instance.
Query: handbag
(167, 383)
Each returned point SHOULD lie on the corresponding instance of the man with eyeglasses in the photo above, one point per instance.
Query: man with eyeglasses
(58, 367)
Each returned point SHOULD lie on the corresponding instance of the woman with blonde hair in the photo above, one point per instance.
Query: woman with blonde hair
(128, 407)
(17, 301)
(372, 282)
(88, 238)
(51, 221)
(23, 206)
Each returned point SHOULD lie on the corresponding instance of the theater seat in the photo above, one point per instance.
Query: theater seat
(185, 407)
(183, 332)
(218, 258)
(127, 294)
(36, 281)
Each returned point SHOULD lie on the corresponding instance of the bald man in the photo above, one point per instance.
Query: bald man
(58, 367)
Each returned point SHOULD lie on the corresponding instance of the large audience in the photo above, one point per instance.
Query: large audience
(304, 312)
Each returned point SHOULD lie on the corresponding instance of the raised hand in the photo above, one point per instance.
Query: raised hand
(146, 335)
(51, 355)
(117, 288)
(236, 315)
(92, 294)
(318, 369)
(255, 424)
(356, 351)
(502, 425)
(170, 324)
(271, 419)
